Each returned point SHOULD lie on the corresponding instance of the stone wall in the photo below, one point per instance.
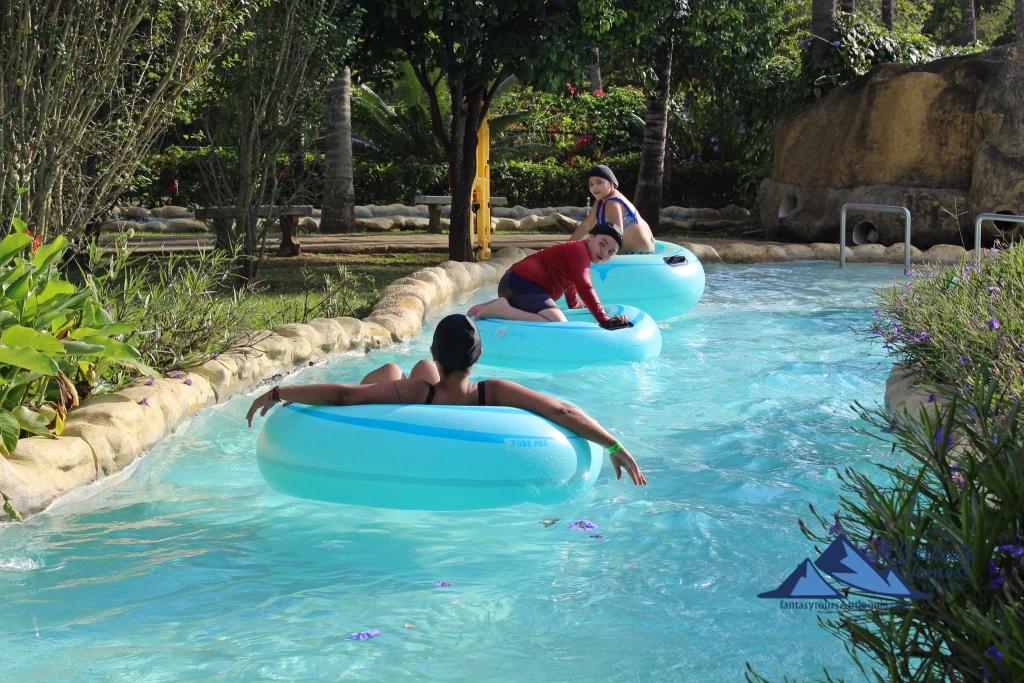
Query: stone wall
(106, 433)
(945, 139)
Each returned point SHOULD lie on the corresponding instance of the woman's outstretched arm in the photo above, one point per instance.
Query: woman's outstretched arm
(399, 391)
(505, 393)
(585, 225)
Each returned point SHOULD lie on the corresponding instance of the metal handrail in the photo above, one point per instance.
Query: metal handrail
(1009, 218)
(881, 208)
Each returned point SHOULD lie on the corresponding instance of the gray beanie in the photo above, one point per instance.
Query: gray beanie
(602, 171)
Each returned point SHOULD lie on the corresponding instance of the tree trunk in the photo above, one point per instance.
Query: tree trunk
(847, 6)
(823, 22)
(339, 204)
(652, 158)
(666, 178)
(595, 69)
(967, 30)
(1018, 10)
(887, 15)
(462, 161)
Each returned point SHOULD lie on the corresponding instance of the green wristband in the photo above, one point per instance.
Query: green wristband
(614, 448)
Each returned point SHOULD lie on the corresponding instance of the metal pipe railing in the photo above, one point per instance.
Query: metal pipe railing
(880, 208)
(990, 217)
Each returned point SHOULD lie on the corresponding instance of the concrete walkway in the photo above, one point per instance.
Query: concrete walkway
(382, 243)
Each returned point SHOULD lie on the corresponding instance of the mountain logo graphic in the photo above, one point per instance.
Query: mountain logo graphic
(848, 565)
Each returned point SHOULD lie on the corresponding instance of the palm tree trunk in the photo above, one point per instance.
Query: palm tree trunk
(847, 6)
(339, 210)
(595, 69)
(887, 16)
(1018, 10)
(823, 22)
(967, 30)
(652, 159)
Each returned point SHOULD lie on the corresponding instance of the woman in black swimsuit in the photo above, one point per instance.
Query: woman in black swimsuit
(445, 381)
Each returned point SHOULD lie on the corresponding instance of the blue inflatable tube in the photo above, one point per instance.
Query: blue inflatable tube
(555, 347)
(664, 284)
(417, 457)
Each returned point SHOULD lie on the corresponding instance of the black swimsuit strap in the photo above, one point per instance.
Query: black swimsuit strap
(482, 392)
(430, 396)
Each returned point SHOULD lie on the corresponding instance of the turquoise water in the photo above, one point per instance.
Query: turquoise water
(190, 569)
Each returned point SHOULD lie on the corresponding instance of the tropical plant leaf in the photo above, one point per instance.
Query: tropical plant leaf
(47, 253)
(114, 349)
(18, 290)
(19, 335)
(54, 288)
(79, 348)
(31, 421)
(30, 359)
(11, 245)
(9, 431)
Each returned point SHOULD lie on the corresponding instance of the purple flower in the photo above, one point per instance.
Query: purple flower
(964, 360)
(212, 355)
(907, 285)
(583, 525)
(175, 375)
(995, 289)
(994, 323)
(836, 43)
(151, 382)
(364, 635)
(837, 527)
(931, 398)
(958, 479)
(994, 250)
(994, 653)
(714, 148)
(442, 584)
(996, 578)
(597, 536)
(144, 401)
(1015, 550)
(188, 381)
(876, 314)
(108, 309)
(939, 440)
(742, 127)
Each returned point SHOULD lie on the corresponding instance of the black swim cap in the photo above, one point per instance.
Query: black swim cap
(602, 171)
(610, 229)
(456, 343)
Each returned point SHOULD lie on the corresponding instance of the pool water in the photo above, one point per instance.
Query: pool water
(188, 568)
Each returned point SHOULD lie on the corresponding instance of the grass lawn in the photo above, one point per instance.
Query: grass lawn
(290, 286)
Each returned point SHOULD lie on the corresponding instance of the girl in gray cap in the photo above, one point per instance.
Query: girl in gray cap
(613, 207)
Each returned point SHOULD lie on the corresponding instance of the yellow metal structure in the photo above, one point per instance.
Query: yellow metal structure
(482, 190)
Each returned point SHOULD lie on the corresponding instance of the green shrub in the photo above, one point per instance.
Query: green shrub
(946, 322)
(56, 339)
(951, 522)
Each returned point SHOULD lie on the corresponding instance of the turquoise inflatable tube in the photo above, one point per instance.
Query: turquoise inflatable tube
(664, 284)
(556, 347)
(417, 457)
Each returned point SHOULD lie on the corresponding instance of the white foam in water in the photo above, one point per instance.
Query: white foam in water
(738, 426)
(18, 564)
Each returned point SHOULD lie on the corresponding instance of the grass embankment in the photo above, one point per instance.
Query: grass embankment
(288, 286)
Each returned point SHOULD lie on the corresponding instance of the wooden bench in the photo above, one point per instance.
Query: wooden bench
(435, 202)
(289, 216)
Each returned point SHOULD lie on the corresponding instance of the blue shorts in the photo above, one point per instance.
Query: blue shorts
(523, 294)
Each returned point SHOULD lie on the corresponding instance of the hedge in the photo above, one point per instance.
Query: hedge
(547, 182)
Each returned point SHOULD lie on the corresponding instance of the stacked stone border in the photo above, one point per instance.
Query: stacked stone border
(107, 433)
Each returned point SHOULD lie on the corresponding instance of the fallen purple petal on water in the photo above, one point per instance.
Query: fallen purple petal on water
(364, 635)
(144, 401)
(442, 584)
(583, 525)
(632, 564)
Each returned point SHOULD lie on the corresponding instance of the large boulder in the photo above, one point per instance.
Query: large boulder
(945, 139)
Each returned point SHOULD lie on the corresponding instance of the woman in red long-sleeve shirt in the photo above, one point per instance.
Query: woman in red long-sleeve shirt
(529, 289)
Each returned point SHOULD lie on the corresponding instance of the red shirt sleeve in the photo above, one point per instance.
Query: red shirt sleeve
(571, 299)
(580, 271)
